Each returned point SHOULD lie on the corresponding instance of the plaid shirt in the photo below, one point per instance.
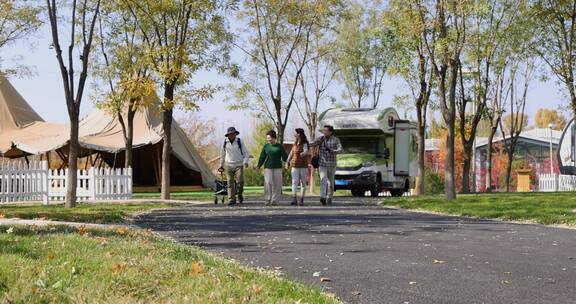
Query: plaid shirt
(329, 147)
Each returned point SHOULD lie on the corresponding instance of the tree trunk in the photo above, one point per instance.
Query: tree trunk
(281, 129)
(420, 186)
(489, 161)
(509, 168)
(129, 159)
(466, 167)
(167, 143)
(74, 147)
(449, 184)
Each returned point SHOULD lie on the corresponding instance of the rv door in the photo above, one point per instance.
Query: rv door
(402, 147)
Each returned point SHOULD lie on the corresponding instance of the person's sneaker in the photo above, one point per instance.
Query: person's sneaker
(231, 202)
(329, 201)
(301, 202)
(267, 203)
(240, 199)
(323, 201)
(294, 201)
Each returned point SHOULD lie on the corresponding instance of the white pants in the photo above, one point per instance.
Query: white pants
(299, 178)
(272, 185)
(327, 182)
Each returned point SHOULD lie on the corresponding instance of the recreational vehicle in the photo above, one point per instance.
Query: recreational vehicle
(380, 150)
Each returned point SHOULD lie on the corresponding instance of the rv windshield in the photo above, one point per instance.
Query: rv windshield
(364, 145)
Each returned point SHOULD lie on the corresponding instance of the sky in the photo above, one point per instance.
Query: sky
(44, 90)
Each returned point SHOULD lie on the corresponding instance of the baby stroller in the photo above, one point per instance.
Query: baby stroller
(221, 187)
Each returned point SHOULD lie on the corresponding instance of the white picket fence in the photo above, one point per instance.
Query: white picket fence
(556, 182)
(21, 182)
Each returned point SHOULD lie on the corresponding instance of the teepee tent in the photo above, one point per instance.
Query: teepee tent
(103, 133)
(20, 123)
(15, 112)
(23, 132)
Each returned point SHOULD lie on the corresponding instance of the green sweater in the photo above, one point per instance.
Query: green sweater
(272, 156)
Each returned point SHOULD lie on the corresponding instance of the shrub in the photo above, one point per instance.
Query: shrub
(433, 182)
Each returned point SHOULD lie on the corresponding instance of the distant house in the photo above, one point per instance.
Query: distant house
(432, 150)
(533, 148)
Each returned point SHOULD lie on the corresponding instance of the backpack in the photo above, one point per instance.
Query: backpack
(239, 145)
(315, 161)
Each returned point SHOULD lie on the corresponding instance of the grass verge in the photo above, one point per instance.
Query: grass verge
(543, 208)
(68, 265)
(84, 213)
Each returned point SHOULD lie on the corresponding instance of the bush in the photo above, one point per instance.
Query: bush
(433, 183)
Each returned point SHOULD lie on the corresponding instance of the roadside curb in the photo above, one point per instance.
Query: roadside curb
(45, 223)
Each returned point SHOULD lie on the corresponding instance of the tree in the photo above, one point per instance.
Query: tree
(18, 19)
(124, 70)
(319, 72)
(516, 105)
(489, 23)
(279, 36)
(259, 135)
(180, 37)
(508, 122)
(555, 28)
(365, 51)
(445, 23)
(546, 117)
(413, 65)
(494, 112)
(82, 25)
(201, 132)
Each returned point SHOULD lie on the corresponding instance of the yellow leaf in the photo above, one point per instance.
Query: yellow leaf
(256, 288)
(50, 257)
(197, 268)
(117, 268)
(82, 230)
(122, 231)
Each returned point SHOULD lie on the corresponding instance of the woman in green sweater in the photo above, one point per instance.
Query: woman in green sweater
(271, 157)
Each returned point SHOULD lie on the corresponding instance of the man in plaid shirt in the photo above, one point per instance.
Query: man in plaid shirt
(328, 145)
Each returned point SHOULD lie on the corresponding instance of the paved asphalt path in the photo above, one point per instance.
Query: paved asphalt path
(374, 254)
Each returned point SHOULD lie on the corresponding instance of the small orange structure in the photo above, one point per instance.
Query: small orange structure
(523, 180)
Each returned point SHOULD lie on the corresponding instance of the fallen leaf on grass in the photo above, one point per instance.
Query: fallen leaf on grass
(109, 254)
(197, 268)
(256, 288)
(117, 268)
(50, 257)
(122, 231)
(82, 230)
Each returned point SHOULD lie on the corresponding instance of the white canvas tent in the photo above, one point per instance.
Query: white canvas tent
(23, 132)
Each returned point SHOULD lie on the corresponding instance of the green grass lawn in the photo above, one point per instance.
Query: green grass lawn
(69, 265)
(85, 213)
(544, 208)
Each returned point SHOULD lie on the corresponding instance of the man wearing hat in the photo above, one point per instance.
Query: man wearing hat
(232, 160)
